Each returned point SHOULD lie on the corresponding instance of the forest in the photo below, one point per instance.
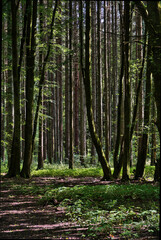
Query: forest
(80, 114)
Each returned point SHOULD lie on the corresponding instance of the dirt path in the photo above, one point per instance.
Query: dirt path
(21, 217)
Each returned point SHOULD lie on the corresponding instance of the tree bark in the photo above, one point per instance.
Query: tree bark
(67, 90)
(99, 74)
(127, 145)
(71, 160)
(14, 168)
(86, 78)
(144, 139)
(30, 63)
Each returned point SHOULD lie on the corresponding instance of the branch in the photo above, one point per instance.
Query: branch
(144, 14)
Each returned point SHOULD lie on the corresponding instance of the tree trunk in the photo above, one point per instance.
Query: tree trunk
(99, 74)
(9, 91)
(40, 134)
(30, 61)
(144, 139)
(42, 78)
(14, 168)
(82, 97)
(86, 78)
(71, 160)
(94, 69)
(152, 17)
(67, 91)
(127, 145)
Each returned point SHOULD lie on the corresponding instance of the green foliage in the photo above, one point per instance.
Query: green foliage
(65, 172)
(128, 210)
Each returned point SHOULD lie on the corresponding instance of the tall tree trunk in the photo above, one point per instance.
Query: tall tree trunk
(140, 107)
(76, 81)
(152, 17)
(67, 90)
(94, 69)
(71, 160)
(114, 69)
(40, 134)
(82, 97)
(106, 86)
(0, 74)
(99, 74)
(109, 71)
(42, 78)
(127, 145)
(14, 168)
(86, 78)
(117, 164)
(59, 90)
(30, 62)
(9, 91)
(144, 139)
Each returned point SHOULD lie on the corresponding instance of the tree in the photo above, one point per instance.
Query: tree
(82, 96)
(67, 89)
(71, 160)
(30, 63)
(86, 78)
(40, 142)
(119, 140)
(99, 74)
(14, 167)
(0, 72)
(126, 162)
(152, 18)
(144, 139)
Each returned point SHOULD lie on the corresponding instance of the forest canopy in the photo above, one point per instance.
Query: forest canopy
(80, 85)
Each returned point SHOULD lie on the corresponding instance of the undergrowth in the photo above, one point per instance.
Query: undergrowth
(123, 210)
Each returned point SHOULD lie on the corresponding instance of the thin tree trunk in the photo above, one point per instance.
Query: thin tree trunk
(117, 165)
(0, 74)
(76, 82)
(94, 69)
(40, 136)
(42, 79)
(99, 75)
(9, 90)
(82, 96)
(71, 160)
(67, 91)
(106, 86)
(127, 145)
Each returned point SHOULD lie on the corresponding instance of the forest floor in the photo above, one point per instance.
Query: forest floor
(23, 217)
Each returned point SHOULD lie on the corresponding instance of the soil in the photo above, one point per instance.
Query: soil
(22, 217)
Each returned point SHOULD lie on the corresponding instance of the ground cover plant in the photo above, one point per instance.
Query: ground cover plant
(100, 209)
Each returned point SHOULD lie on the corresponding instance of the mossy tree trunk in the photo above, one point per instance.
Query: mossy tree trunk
(127, 110)
(86, 77)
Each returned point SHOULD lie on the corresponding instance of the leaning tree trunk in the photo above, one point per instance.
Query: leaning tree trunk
(86, 78)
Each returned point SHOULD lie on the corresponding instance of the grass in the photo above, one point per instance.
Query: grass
(129, 210)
